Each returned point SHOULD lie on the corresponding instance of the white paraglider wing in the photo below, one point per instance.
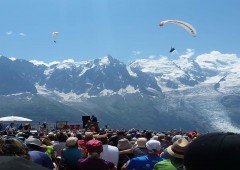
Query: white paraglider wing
(54, 35)
(183, 24)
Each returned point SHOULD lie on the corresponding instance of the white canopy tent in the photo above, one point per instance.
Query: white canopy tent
(14, 119)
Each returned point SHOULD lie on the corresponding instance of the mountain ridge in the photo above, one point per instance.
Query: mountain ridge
(188, 92)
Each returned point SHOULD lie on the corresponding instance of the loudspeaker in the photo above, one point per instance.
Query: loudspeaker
(85, 120)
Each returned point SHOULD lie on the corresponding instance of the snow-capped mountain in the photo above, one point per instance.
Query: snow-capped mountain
(201, 93)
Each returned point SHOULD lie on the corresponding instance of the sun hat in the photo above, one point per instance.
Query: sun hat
(141, 143)
(161, 136)
(124, 144)
(88, 135)
(94, 146)
(33, 141)
(155, 137)
(153, 145)
(213, 151)
(102, 138)
(71, 141)
(178, 148)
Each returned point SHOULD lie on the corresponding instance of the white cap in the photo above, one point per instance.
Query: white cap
(33, 141)
(153, 145)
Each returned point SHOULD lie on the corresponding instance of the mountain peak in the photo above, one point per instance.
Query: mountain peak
(159, 87)
(107, 60)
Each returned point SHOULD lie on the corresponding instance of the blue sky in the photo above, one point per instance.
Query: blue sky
(125, 29)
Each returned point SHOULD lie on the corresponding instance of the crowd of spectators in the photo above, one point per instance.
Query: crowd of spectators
(119, 149)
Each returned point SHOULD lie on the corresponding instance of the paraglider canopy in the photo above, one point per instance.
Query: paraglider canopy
(182, 24)
(54, 35)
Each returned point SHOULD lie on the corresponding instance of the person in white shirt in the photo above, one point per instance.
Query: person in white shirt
(109, 153)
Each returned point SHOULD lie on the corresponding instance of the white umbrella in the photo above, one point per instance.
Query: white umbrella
(14, 118)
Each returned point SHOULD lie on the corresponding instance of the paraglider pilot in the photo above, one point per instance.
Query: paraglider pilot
(171, 50)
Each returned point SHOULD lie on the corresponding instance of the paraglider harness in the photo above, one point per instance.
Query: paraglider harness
(171, 50)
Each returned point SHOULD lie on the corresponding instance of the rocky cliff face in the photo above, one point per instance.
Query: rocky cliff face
(155, 94)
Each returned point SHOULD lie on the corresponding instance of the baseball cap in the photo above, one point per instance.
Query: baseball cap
(94, 146)
(153, 145)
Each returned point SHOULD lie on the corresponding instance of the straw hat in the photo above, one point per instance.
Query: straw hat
(141, 142)
(88, 135)
(178, 148)
(124, 144)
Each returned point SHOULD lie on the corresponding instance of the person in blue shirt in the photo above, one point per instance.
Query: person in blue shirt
(36, 152)
(71, 154)
(146, 162)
